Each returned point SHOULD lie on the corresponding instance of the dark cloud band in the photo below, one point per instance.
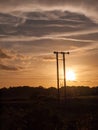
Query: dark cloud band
(10, 68)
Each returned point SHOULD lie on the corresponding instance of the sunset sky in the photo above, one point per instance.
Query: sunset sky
(30, 30)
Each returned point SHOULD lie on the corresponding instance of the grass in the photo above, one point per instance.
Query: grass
(79, 113)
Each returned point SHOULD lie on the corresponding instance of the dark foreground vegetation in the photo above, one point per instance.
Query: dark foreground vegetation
(29, 108)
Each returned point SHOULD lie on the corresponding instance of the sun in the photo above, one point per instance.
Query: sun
(70, 75)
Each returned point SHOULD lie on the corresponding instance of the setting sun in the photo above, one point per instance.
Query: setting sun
(70, 75)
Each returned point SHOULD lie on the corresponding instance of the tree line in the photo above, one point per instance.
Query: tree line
(26, 92)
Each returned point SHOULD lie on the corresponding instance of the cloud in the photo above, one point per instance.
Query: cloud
(93, 36)
(47, 57)
(31, 5)
(49, 3)
(11, 60)
(46, 46)
(4, 55)
(9, 68)
(55, 24)
(47, 30)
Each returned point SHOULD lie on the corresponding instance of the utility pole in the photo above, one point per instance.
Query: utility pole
(57, 63)
(64, 72)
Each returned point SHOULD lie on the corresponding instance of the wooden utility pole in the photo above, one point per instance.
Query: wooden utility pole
(64, 73)
(57, 63)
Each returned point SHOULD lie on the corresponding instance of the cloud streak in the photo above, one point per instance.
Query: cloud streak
(54, 25)
(74, 6)
(4, 55)
(9, 68)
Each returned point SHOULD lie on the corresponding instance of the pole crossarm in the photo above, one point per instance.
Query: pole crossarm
(61, 52)
(64, 52)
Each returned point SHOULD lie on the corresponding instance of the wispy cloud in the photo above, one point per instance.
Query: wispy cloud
(9, 68)
(4, 55)
(74, 6)
(61, 25)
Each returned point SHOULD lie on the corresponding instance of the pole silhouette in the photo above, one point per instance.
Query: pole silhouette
(64, 73)
(57, 63)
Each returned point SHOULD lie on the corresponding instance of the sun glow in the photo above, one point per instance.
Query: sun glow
(70, 75)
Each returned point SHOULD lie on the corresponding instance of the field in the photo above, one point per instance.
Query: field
(45, 113)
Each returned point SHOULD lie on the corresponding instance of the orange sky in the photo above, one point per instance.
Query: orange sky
(31, 32)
